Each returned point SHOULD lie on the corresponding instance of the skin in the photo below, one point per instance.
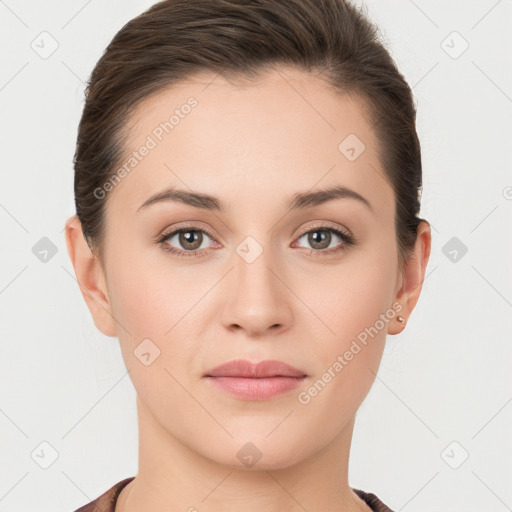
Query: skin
(253, 147)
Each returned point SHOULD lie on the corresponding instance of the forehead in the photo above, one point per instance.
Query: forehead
(285, 132)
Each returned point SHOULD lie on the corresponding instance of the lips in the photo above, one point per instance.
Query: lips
(255, 381)
(263, 369)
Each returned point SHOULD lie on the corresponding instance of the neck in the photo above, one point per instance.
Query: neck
(172, 477)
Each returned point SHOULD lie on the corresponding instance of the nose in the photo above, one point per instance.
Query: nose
(257, 296)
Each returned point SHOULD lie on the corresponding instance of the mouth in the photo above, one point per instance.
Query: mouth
(262, 381)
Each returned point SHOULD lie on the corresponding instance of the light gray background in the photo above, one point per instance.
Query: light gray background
(444, 382)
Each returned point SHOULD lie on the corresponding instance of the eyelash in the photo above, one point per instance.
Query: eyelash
(348, 241)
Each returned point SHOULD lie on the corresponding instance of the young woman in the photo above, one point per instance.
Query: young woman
(247, 185)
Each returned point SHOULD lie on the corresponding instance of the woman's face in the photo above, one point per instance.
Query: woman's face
(270, 279)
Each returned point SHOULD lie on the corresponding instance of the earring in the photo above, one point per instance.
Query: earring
(401, 320)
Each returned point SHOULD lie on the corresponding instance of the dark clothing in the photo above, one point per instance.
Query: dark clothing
(107, 501)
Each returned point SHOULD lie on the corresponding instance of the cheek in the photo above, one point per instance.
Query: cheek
(136, 298)
(349, 297)
(348, 353)
(152, 306)
(352, 302)
(147, 296)
(159, 303)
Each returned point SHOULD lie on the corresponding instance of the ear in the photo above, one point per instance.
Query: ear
(412, 276)
(90, 276)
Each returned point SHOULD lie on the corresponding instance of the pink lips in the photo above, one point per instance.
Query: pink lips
(260, 381)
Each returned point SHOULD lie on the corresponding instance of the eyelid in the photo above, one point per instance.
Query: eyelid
(307, 229)
(325, 225)
(343, 232)
(192, 225)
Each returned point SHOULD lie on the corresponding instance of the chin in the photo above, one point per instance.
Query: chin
(257, 453)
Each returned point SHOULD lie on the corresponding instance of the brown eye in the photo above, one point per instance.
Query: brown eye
(185, 241)
(320, 239)
(189, 239)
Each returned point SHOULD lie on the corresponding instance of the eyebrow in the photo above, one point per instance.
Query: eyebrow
(300, 200)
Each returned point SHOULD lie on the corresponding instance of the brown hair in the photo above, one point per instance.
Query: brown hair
(242, 38)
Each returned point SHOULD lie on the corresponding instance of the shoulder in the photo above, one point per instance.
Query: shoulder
(372, 501)
(107, 501)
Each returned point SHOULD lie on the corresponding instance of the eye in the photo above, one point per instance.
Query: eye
(191, 239)
(320, 239)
